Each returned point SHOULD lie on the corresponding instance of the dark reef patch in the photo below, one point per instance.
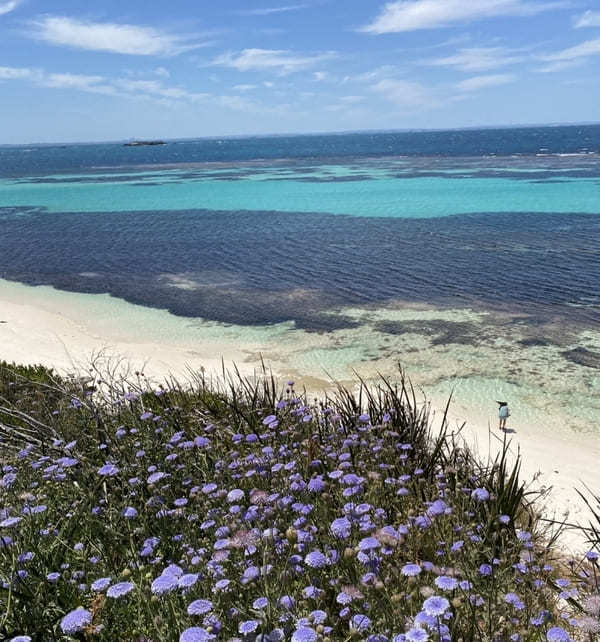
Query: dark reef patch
(441, 332)
(534, 342)
(583, 357)
(281, 266)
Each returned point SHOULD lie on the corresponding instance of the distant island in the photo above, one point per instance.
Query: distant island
(140, 143)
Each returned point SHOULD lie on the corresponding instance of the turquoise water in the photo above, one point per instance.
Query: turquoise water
(398, 197)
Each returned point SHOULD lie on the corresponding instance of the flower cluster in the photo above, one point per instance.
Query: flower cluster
(191, 515)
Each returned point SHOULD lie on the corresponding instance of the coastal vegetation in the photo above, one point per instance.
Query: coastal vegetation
(240, 510)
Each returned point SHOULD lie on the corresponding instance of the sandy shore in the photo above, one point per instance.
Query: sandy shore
(66, 330)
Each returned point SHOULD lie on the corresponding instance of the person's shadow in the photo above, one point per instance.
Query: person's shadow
(509, 431)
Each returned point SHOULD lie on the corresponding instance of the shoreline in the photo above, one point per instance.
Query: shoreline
(65, 330)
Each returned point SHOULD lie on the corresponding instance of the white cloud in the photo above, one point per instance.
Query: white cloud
(237, 103)
(155, 88)
(16, 73)
(100, 85)
(477, 59)
(130, 88)
(285, 62)
(92, 84)
(571, 57)
(385, 71)
(40, 78)
(244, 87)
(405, 93)
(351, 100)
(561, 65)
(270, 10)
(583, 50)
(588, 19)
(107, 36)
(482, 82)
(410, 15)
(7, 7)
(162, 72)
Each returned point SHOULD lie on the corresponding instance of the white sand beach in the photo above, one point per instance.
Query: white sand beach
(559, 446)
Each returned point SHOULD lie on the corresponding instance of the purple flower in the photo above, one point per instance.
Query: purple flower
(260, 603)
(196, 634)
(248, 626)
(480, 494)
(76, 621)
(21, 638)
(316, 559)
(341, 527)
(187, 581)
(515, 600)
(174, 570)
(120, 589)
(129, 512)
(304, 634)
(446, 583)
(222, 585)
(8, 480)
(556, 634)
(156, 477)
(436, 605)
(360, 623)
(318, 616)
(53, 577)
(9, 522)
(101, 584)
(417, 634)
(438, 507)
(287, 602)
(368, 544)
(251, 573)
(164, 583)
(316, 484)
(34, 510)
(540, 619)
(108, 470)
(311, 592)
(67, 462)
(410, 570)
(146, 415)
(200, 607)
(485, 569)
(235, 495)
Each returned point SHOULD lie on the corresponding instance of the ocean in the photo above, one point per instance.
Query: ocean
(479, 250)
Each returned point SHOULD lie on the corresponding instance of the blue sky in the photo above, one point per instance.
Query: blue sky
(78, 71)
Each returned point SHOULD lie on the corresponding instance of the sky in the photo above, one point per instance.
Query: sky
(112, 70)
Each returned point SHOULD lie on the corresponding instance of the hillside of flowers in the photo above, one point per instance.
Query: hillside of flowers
(188, 513)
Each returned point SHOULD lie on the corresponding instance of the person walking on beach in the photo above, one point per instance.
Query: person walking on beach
(503, 414)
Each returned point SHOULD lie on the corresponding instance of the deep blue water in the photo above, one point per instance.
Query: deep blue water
(29, 159)
(284, 228)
